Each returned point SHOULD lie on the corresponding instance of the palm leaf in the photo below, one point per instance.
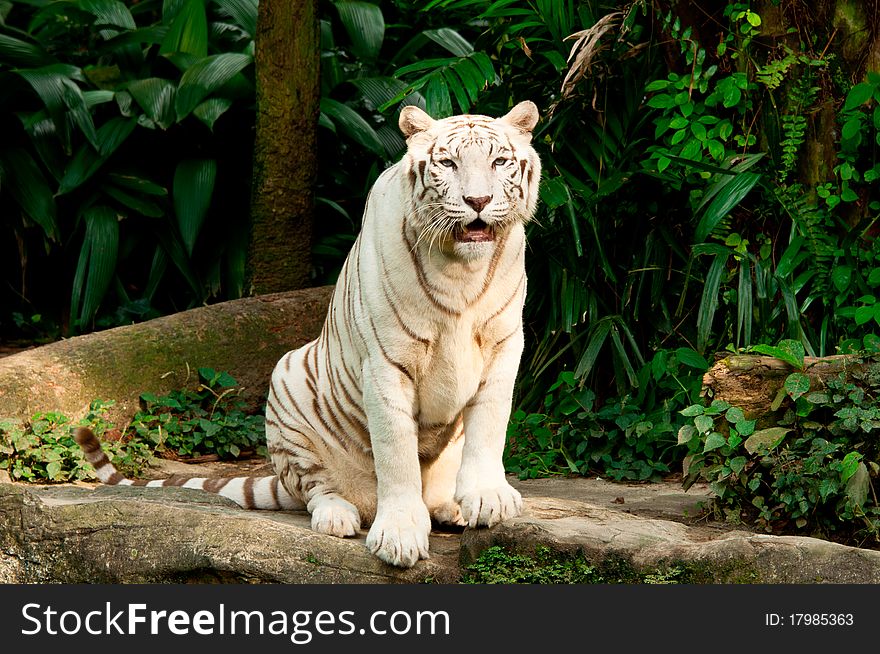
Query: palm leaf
(365, 25)
(21, 54)
(350, 122)
(96, 265)
(29, 188)
(709, 300)
(86, 162)
(744, 305)
(242, 12)
(724, 201)
(597, 340)
(156, 97)
(205, 77)
(192, 193)
(189, 30)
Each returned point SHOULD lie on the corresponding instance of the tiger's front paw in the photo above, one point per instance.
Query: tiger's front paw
(399, 535)
(484, 507)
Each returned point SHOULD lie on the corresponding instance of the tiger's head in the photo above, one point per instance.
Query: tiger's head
(472, 177)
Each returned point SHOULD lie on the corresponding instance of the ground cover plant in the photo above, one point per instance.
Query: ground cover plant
(207, 421)
(812, 470)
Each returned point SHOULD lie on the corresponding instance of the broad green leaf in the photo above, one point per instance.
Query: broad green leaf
(661, 101)
(746, 427)
(242, 12)
(439, 104)
(138, 184)
(97, 263)
(691, 358)
(734, 415)
(724, 202)
(840, 277)
(211, 109)
(142, 206)
(858, 95)
(597, 340)
(56, 86)
(379, 90)
(764, 440)
(714, 441)
(192, 193)
(94, 98)
(864, 314)
(16, 53)
(737, 464)
(703, 423)
(744, 308)
(109, 13)
(657, 85)
(176, 251)
(28, 187)
(693, 410)
(350, 123)
(450, 40)
(554, 192)
(156, 97)
(622, 356)
(709, 300)
(858, 484)
(189, 31)
(205, 77)
(849, 465)
(86, 162)
(365, 25)
(790, 257)
(453, 81)
(797, 384)
(686, 433)
(788, 350)
(53, 470)
(852, 130)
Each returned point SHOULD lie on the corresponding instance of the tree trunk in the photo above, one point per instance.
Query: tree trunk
(287, 63)
(242, 337)
(751, 382)
(845, 31)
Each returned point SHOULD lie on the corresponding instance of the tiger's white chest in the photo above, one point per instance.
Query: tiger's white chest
(450, 375)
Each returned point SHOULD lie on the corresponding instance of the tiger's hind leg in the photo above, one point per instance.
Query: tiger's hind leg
(306, 477)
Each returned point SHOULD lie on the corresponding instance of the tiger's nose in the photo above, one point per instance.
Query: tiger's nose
(477, 204)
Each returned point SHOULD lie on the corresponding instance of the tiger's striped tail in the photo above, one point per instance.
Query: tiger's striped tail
(265, 493)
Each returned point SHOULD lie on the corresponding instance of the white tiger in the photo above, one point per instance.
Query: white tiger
(397, 412)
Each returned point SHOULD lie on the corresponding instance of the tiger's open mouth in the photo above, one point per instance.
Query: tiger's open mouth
(474, 232)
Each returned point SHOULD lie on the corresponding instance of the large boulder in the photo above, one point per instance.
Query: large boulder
(74, 534)
(242, 337)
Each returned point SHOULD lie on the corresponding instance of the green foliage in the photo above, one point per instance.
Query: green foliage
(42, 449)
(812, 471)
(116, 123)
(210, 419)
(496, 565)
(628, 438)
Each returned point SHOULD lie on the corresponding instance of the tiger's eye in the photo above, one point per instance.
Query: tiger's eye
(448, 163)
(500, 161)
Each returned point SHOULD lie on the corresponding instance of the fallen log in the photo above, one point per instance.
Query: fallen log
(751, 382)
(242, 337)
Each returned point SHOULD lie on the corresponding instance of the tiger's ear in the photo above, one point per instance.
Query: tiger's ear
(523, 116)
(413, 120)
